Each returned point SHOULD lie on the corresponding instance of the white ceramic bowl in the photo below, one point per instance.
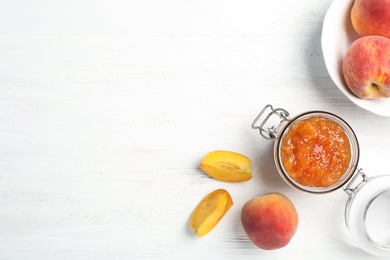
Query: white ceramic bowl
(337, 36)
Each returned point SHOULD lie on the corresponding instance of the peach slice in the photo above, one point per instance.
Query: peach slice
(210, 211)
(227, 166)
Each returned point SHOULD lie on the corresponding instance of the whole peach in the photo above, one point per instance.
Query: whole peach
(270, 221)
(371, 17)
(366, 67)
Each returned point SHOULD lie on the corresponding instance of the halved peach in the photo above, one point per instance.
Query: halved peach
(227, 166)
(210, 211)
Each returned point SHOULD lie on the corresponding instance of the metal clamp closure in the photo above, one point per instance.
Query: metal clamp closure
(351, 190)
(270, 132)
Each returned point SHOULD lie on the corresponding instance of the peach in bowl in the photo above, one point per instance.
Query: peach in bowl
(338, 34)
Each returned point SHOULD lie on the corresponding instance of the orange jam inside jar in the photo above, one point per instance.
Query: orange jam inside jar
(316, 152)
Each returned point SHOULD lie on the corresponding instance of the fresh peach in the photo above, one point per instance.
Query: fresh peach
(371, 17)
(270, 221)
(366, 67)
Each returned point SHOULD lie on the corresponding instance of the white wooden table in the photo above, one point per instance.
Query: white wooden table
(108, 106)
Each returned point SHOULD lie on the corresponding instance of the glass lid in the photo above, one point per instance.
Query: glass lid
(368, 215)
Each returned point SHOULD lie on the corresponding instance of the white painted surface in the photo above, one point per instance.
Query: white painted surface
(107, 107)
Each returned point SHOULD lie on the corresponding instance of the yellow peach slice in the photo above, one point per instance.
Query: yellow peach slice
(210, 211)
(227, 166)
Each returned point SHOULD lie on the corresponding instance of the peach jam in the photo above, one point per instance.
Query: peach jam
(315, 152)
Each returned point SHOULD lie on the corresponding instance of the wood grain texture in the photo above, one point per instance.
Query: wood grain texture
(107, 107)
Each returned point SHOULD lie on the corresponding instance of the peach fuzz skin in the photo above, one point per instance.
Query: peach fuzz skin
(366, 67)
(371, 17)
(270, 221)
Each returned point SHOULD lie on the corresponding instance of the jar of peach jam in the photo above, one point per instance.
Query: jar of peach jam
(318, 152)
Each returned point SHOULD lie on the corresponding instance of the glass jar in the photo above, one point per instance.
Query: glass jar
(367, 212)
